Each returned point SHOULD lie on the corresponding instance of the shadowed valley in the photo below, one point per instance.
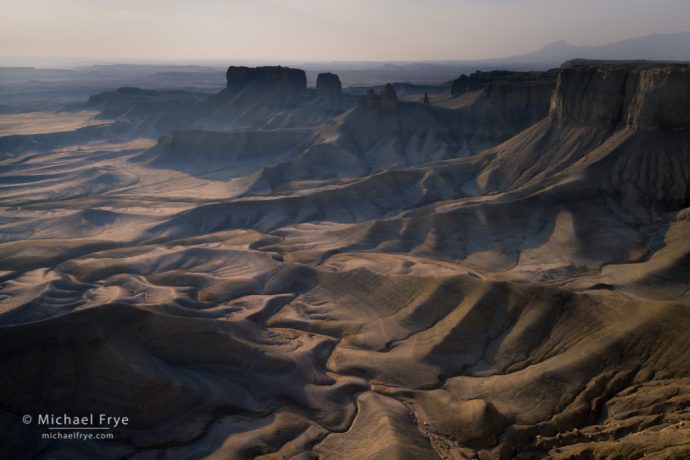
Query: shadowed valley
(495, 267)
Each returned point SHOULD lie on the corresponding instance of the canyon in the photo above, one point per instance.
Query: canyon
(495, 267)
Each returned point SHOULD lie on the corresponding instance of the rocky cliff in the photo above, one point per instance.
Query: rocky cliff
(639, 95)
(312, 284)
(284, 78)
(386, 102)
(515, 90)
(328, 85)
(502, 99)
(620, 128)
(482, 80)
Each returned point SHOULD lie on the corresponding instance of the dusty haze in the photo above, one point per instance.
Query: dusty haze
(394, 251)
(315, 30)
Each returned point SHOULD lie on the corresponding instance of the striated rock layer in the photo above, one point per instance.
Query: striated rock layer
(529, 92)
(364, 287)
(635, 95)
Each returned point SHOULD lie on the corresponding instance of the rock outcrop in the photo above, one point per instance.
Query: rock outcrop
(497, 80)
(316, 281)
(284, 78)
(328, 85)
(622, 126)
(638, 95)
(386, 102)
(370, 100)
(389, 98)
(518, 95)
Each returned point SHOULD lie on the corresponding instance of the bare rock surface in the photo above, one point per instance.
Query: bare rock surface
(266, 77)
(328, 85)
(280, 277)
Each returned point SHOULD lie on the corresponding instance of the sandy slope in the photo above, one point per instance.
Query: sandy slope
(236, 300)
(46, 122)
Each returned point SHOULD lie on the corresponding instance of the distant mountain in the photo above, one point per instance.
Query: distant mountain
(656, 47)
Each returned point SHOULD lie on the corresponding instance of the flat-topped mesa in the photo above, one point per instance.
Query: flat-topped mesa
(273, 77)
(328, 86)
(526, 93)
(497, 79)
(637, 95)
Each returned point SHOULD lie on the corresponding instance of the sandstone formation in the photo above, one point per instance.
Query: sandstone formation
(279, 280)
(328, 85)
(634, 95)
(525, 94)
(630, 106)
(284, 78)
(370, 100)
(494, 80)
(387, 101)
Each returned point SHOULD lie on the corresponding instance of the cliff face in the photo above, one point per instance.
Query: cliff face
(328, 85)
(386, 102)
(480, 80)
(528, 92)
(622, 129)
(284, 78)
(642, 96)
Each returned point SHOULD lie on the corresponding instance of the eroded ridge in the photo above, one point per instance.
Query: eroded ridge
(326, 275)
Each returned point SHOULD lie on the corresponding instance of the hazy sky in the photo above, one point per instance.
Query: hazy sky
(183, 30)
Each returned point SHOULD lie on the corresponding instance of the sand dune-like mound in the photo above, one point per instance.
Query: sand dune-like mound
(88, 223)
(432, 374)
(178, 399)
(299, 273)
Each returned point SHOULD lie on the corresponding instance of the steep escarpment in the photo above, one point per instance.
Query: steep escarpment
(555, 160)
(503, 82)
(524, 94)
(328, 85)
(284, 78)
(578, 195)
(606, 121)
(380, 131)
(384, 131)
(255, 98)
(643, 96)
(499, 104)
(581, 196)
(297, 274)
(269, 98)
